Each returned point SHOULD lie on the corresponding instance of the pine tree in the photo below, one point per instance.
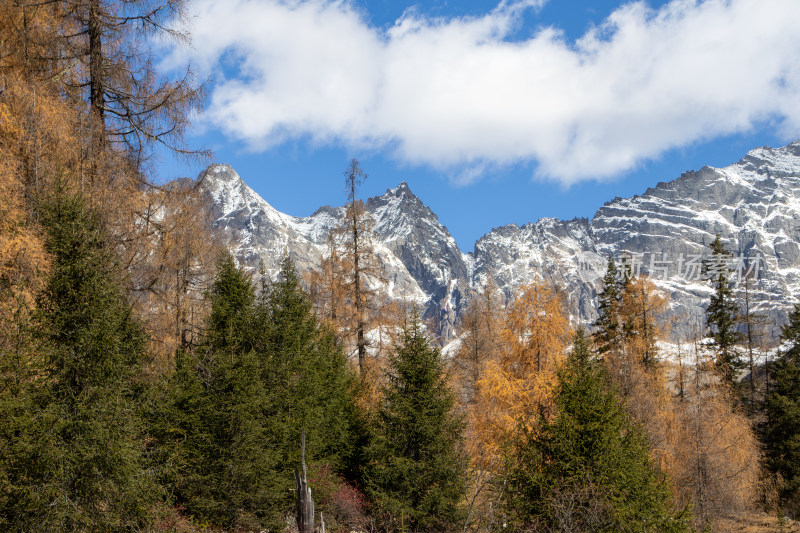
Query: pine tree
(232, 297)
(722, 312)
(780, 430)
(78, 462)
(414, 476)
(607, 334)
(213, 430)
(309, 385)
(266, 371)
(589, 469)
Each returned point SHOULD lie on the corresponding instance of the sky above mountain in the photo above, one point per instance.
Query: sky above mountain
(493, 113)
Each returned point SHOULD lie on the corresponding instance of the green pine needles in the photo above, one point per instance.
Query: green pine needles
(608, 334)
(229, 429)
(79, 448)
(589, 468)
(780, 429)
(722, 312)
(415, 473)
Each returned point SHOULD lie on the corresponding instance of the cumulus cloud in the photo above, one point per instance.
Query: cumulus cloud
(457, 93)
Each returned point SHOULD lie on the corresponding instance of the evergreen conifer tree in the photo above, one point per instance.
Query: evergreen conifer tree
(722, 312)
(589, 468)
(213, 432)
(780, 430)
(78, 461)
(232, 297)
(237, 407)
(414, 475)
(308, 384)
(607, 334)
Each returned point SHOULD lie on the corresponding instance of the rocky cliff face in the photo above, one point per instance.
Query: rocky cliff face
(419, 258)
(754, 205)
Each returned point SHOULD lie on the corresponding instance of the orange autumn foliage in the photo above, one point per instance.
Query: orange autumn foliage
(46, 142)
(516, 386)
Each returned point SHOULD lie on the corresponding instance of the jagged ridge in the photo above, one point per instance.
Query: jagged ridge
(753, 204)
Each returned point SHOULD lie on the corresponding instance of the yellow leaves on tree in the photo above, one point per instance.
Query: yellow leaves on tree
(23, 270)
(696, 436)
(640, 314)
(716, 457)
(23, 261)
(171, 278)
(632, 362)
(479, 334)
(503, 374)
(46, 144)
(517, 385)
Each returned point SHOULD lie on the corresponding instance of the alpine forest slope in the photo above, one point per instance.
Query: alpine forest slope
(754, 205)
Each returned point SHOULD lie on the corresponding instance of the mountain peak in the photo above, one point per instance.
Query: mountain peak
(753, 204)
(219, 172)
(400, 198)
(401, 190)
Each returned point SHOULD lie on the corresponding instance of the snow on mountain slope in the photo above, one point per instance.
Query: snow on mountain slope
(257, 233)
(754, 205)
(415, 236)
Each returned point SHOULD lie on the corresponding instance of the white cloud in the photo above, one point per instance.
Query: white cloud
(457, 93)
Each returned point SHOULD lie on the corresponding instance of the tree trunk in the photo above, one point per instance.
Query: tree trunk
(305, 504)
(96, 89)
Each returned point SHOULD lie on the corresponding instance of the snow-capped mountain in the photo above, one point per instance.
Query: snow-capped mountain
(754, 205)
(419, 258)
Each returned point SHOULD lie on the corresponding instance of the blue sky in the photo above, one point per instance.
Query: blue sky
(494, 113)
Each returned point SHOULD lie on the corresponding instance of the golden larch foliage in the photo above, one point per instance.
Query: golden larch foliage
(516, 387)
(640, 315)
(716, 463)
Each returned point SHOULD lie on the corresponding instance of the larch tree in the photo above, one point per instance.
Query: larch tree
(359, 256)
(478, 331)
(130, 105)
(754, 331)
(63, 64)
(516, 387)
(171, 280)
(326, 285)
(715, 456)
(92, 55)
(631, 365)
(641, 309)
